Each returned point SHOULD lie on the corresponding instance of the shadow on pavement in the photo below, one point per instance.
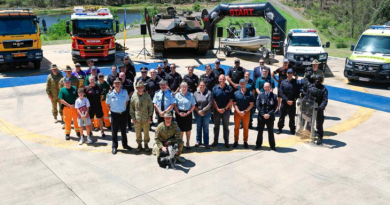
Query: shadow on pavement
(332, 118)
(186, 166)
(371, 85)
(334, 143)
(284, 149)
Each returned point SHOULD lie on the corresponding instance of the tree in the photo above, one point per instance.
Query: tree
(382, 14)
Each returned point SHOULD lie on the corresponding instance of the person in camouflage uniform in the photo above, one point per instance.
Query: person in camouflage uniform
(163, 134)
(141, 110)
(73, 79)
(52, 90)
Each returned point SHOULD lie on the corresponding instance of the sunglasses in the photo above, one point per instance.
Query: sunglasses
(289, 73)
(101, 76)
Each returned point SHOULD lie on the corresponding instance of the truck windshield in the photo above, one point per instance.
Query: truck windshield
(374, 44)
(93, 27)
(307, 41)
(9, 26)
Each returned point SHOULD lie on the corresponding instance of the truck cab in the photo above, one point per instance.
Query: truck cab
(370, 60)
(93, 35)
(302, 46)
(20, 41)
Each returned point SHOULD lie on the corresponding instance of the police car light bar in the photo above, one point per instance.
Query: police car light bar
(304, 31)
(380, 27)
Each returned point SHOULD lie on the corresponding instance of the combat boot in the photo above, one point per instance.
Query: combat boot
(139, 148)
(180, 159)
(146, 147)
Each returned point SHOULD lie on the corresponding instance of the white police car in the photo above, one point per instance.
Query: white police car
(302, 46)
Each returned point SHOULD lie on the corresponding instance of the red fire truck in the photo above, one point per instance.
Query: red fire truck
(93, 34)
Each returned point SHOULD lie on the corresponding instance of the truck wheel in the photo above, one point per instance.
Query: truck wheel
(37, 65)
(227, 51)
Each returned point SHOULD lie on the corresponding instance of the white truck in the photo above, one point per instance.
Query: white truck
(302, 46)
(370, 60)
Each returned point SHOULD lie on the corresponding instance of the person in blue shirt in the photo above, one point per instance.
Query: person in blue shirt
(258, 71)
(163, 101)
(265, 78)
(91, 64)
(116, 102)
(223, 100)
(185, 104)
(250, 85)
(243, 103)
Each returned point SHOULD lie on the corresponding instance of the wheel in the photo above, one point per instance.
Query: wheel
(37, 65)
(350, 80)
(323, 67)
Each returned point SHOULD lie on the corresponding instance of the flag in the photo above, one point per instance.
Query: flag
(124, 30)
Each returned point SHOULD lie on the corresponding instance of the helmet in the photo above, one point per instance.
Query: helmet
(318, 79)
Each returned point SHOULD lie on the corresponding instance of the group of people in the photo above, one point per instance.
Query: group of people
(88, 99)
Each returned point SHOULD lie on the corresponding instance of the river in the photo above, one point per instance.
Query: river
(130, 17)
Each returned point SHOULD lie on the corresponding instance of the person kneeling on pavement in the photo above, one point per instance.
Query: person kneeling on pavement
(164, 133)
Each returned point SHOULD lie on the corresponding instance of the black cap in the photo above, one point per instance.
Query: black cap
(144, 69)
(290, 70)
(237, 61)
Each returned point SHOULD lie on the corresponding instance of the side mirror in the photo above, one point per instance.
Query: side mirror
(67, 27)
(44, 25)
(117, 26)
(327, 44)
(352, 47)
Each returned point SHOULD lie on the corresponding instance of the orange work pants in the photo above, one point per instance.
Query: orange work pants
(69, 114)
(106, 118)
(245, 124)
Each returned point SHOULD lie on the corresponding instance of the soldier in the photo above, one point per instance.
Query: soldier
(168, 131)
(141, 110)
(322, 100)
(289, 93)
(68, 95)
(144, 76)
(52, 90)
(266, 105)
(79, 74)
(235, 74)
(73, 79)
(191, 79)
(129, 66)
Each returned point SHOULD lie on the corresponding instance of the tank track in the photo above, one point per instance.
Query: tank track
(158, 47)
(203, 47)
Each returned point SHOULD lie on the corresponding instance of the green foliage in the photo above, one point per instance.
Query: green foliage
(382, 14)
(15, 3)
(57, 31)
(196, 7)
(151, 11)
(341, 42)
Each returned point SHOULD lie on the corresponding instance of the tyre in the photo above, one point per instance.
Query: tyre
(37, 65)
(227, 51)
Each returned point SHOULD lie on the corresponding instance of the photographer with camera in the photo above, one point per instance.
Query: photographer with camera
(320, 94)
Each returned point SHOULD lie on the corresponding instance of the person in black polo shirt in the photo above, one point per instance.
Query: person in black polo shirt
(114, 74)
(174, 79)
(235, 74)
(243, 103)
(152, 86)
(218, 70)
(144, 75)
(289, 92)
(95, 95)
(209, 78)
(129, 87)
(160, 72)
(129, 66)
(191, 79)
(166, 68)
(223, 99)
(128, 74)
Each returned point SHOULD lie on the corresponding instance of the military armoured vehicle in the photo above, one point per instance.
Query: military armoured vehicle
(177, 30)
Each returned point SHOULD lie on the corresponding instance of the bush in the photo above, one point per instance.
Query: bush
(341, 43)
(57, 31)
(196, 7)
(15, 3)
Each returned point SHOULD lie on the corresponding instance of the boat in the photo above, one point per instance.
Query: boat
(245, 40)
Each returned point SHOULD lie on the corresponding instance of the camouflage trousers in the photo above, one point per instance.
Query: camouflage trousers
(54, 102)
(156, 151)
(139, 127)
